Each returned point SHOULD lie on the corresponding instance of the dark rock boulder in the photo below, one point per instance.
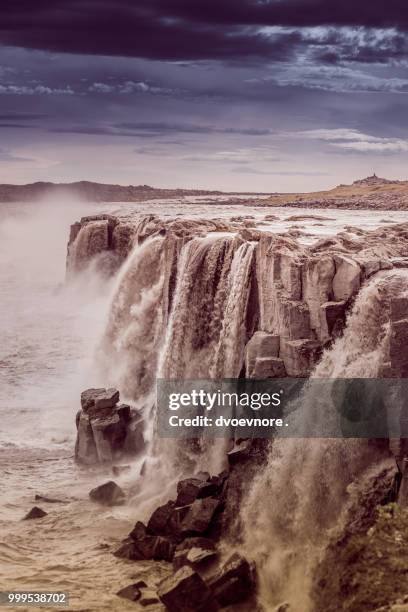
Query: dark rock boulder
(155, 548)
(106, 430)
(140, 545)
(131, 592)
(194, 552)
(199, 516)
(35, 513)
(85, 447)
(94, 401)
(128, 550)
(235, 582)
(190, 489)
(108, 494)
(186, 591)
(158, 522)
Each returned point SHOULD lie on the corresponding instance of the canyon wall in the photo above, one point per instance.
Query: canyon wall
(225, 287)
(217, 298)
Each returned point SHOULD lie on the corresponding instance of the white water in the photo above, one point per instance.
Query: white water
(303, 493)
(49, 334)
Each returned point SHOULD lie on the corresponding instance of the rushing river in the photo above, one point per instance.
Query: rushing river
(49, 333)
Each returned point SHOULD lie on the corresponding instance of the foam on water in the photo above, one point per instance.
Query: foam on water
(49, 334)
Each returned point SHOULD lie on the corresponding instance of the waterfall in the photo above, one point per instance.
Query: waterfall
(303, 492)
(207, 331)
(203, 336)
(194, 324)
(127, 357)
(229, 355)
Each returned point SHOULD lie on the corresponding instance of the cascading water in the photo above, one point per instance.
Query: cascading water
(229, 355)
(303, 492)
(203, 336)
(129, 349)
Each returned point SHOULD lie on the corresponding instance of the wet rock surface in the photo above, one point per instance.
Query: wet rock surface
(186, 590)
(188, 537)
(300, 294)
(35, 513)
(108, 494)
(106, 430)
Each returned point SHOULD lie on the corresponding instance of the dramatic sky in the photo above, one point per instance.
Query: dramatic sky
(263, 95)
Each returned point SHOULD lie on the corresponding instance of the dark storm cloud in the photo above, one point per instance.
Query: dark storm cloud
(198, 29)
(147, 30)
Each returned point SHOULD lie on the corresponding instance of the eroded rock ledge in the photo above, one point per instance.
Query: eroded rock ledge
(302, 292)
(106, 430)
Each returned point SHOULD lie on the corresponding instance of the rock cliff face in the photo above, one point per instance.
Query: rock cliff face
(106, 430)
(218, 299)
(296, 297)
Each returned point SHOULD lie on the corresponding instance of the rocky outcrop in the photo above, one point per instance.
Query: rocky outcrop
(106, 430)
(186, 532)
(363, 568)
(100, 239)
(108, 494)
(185, 591)
(35, 513)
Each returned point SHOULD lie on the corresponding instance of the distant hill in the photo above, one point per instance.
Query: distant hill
(92, 192)
(372, 192)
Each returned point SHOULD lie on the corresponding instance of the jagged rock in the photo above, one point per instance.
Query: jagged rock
(146, 547)
(128, 550)
(175, 524)
(85, 447)
(108, 494)
(300, 356)
(96, 400)
(109, 434)
(262, 344)
(190, 489)
(235, 582)
(194, 552)
(35, 513)
(317, 288)
(269, 367)
(186, 591)
(346, 281)
(131, 592)
(92, 239)
(293, 319)
(123, 237)
(106, 430)
(158, 522)
(291, 276)
(199, 516)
